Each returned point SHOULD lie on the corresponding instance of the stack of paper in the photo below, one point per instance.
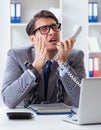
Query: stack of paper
(93, 44)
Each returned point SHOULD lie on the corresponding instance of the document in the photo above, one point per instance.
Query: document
(51, 108)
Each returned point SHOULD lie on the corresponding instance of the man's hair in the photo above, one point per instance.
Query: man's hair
(42, 14)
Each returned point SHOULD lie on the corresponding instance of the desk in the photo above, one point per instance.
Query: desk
(40, 122)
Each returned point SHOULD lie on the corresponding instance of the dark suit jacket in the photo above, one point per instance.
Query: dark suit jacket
(18, 84)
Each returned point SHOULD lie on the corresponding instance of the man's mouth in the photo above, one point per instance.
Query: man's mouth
(53, 41)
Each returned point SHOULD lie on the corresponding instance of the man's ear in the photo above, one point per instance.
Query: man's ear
(32, 38)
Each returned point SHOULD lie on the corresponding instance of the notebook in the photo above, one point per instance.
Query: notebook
(89, 111)
(51, 108)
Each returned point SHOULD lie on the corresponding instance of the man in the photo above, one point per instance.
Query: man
(24, 79)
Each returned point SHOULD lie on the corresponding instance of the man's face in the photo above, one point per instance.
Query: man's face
(51, 37)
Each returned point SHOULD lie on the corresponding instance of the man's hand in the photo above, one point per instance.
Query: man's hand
(40, 54)
(64, 48)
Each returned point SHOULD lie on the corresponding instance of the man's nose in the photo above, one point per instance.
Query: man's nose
(51, 30)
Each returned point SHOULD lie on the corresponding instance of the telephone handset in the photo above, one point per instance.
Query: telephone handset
(75, 32)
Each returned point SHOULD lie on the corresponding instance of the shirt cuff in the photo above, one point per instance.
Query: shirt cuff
(63, 68)
(32, 74)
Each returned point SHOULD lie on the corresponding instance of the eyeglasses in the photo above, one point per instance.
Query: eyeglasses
(45, 29)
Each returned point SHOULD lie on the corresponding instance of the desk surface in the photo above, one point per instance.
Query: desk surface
(39, 122)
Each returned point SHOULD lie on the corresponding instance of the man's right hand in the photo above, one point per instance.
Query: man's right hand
(40, 54)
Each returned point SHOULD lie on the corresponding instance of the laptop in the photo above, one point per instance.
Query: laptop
(89, 111)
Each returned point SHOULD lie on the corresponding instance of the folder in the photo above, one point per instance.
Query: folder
(15, 12)
(96, 69)
(95, 11)
(90, 12)
(90, 64)
(12, 12)
(18, 12)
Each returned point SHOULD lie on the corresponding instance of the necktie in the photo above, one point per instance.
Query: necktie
(46, 72)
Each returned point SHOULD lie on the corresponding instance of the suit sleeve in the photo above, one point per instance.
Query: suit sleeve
(16, 83)
(72, 77)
